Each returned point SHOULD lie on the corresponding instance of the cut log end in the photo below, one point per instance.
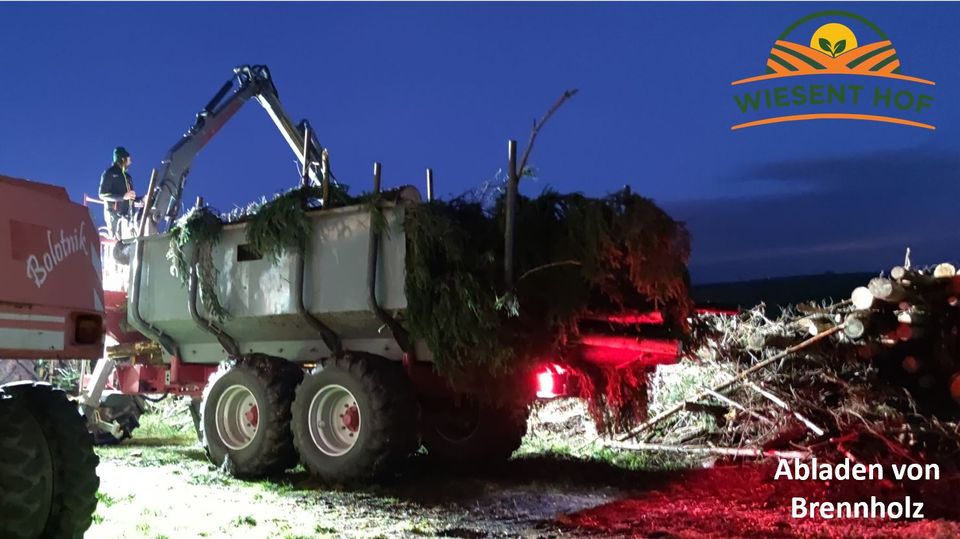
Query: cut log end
(906, 332)
(815, 326)
(861, 298)
(911, 318)
(944, 270)
(955, 386)
(910, 364)
(880, 287)
(854, 327)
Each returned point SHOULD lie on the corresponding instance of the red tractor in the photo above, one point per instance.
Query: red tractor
(51, 307)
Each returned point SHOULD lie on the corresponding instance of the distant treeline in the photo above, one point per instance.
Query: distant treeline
(779, 291)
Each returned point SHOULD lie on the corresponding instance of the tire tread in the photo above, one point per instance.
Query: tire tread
(392, 418)
(279, 379)
(74, 460)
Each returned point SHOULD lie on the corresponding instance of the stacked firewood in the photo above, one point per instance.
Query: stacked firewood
(908, 324)
(876, 374)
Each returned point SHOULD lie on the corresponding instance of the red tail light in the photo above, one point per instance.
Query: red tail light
(551, 381)
(546, 385)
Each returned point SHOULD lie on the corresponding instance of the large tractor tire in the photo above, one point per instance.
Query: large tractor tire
(354, 418)
(75, 480)
(469, 432)
(245, 416)
(26, 473)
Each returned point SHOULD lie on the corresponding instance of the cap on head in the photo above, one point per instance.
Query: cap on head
(119, 153)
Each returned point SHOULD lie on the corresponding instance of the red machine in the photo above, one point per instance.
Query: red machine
(51, 307)
(51, 300)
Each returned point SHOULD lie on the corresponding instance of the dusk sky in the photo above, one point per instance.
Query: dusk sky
(445, 86)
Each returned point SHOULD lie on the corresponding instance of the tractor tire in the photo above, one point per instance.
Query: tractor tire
(354, 418)
(245, 416)
(469, 432)
(75, 480)
(26, 473)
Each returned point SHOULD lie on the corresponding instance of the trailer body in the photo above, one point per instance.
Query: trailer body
(259, 295)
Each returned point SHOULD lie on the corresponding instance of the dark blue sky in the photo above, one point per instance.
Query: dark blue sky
(444, 86)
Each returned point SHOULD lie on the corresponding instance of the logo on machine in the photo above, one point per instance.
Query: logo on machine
(833, 65)
(39, 267)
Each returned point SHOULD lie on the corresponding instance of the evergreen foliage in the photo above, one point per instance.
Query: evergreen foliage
(282, 223)
(200, 229)
(575, 255)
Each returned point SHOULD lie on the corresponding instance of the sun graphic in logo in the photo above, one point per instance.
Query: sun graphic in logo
(833, 39)
(833, 48)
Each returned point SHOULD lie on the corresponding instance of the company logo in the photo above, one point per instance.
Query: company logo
(833, 65)
(41, 266)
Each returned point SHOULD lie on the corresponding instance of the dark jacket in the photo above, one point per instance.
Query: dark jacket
(114, 183)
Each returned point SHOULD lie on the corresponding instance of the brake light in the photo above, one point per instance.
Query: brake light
(551, 381)
(88, 329)
(546, 385)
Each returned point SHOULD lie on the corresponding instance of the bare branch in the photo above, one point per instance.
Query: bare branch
(550, 265)
(730, 383)
(709, 450)
(538, 125)
(780, 402)
(737, 405)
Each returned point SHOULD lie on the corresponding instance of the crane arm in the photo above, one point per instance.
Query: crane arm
(248, 82)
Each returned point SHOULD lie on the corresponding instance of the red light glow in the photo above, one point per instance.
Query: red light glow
(546, 385)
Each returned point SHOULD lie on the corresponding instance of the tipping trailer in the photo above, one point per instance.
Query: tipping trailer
(371, 396)
(51, 307)
(313, 365)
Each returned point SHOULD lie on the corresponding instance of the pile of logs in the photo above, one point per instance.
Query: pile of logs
(910, 320)
(878, 372)
(907, 323)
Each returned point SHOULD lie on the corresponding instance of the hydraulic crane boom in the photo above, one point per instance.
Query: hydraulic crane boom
(249, 81)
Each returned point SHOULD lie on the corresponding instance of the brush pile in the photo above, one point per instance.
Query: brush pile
(872, 379)
(576, 255)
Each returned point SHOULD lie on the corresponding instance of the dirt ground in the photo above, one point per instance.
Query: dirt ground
(164, 487)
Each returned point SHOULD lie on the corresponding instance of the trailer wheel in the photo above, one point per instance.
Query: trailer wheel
(468, 432)
(75, 480)
(26, 473)
(354, 417)
(245, 416)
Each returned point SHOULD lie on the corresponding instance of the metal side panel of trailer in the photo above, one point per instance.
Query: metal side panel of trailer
(259, 296)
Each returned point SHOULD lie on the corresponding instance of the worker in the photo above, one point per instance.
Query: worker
(116, 191)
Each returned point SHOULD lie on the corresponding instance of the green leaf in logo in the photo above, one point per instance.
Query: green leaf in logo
(839, 47)
(825, 45)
